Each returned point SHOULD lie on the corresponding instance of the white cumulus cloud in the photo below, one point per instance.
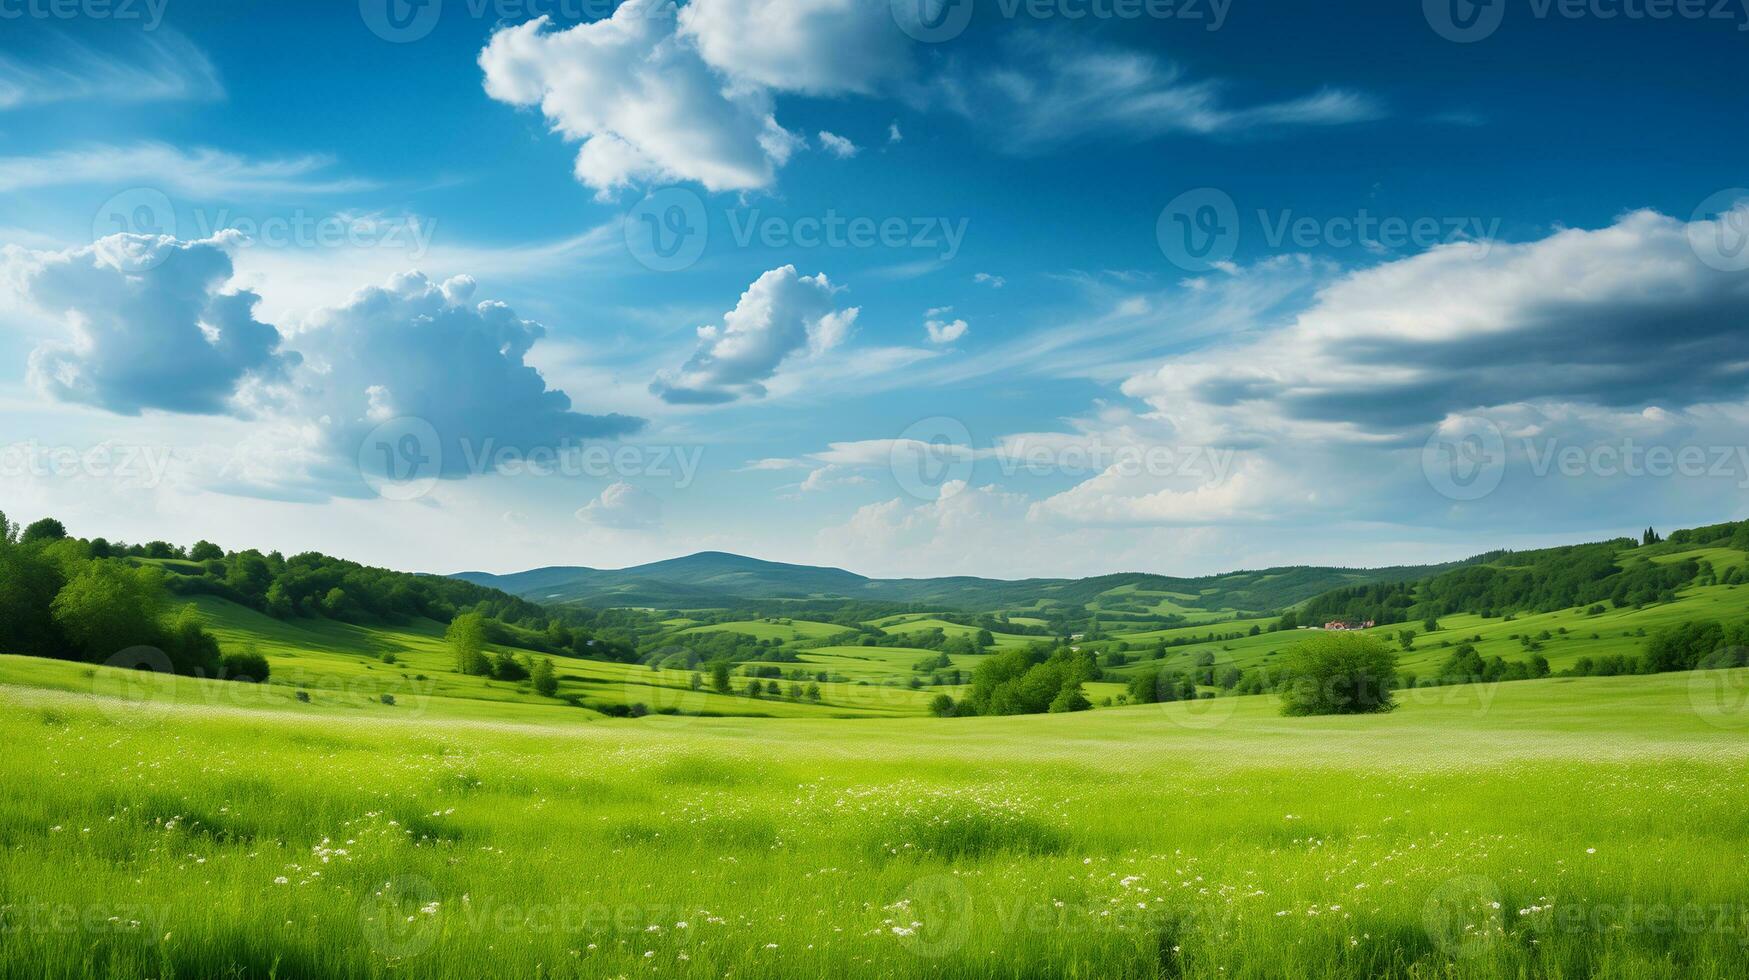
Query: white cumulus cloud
(416, 348)
(150, 323)
(837, 145)
(945, 331)
(640, 99)
(781, 315)
(816, 47)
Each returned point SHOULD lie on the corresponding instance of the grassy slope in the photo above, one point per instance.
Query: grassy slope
(916, 624)
(1208, 839)
(785, 630)
(1617, 630)
(339, 661)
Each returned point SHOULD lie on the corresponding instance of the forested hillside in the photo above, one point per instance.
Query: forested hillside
(74, 598)
(1618, 574)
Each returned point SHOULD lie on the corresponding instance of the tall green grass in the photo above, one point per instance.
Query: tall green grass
(1571, 827)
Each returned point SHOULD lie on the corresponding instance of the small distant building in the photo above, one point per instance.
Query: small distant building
(1338, 624)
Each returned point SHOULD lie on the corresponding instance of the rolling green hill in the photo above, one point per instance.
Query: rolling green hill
(715, 579)
(369, 810)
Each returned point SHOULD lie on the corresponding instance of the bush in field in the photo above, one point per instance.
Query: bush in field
(1069, 698)
(1030, 681)
(546, 680)
(108, 607)
(466, 637)
(941, 706)
(506, 667)
(1338, 674)
(244, 665)
(1684, 646)
(1158, 686)
(192, 650)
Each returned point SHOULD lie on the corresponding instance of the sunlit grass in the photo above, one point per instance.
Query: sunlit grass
(1606, 818)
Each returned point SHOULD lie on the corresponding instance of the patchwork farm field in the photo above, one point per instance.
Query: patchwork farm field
(1564, 827)
(1572, 633)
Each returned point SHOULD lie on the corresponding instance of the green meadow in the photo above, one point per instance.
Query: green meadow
(372, 809)
(1563, 827)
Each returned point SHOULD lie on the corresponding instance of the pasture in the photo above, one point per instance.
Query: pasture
(1563, 827)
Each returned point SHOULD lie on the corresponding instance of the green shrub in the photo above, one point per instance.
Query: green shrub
(1338, 674)
(246, 665)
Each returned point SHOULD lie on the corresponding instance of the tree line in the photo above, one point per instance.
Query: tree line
(62, 598)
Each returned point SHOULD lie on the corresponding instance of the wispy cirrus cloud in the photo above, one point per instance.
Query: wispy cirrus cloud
(198, 173)
(1046, 93)
(161, 66)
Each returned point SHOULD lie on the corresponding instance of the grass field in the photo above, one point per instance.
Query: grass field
(785, 630)
(906, 624)
(1570, 827)
(341, 665)
(1615, 631)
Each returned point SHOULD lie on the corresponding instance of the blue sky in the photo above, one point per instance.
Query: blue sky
(1063, 288)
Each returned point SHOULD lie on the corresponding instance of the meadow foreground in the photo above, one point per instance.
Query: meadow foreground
(1567, 827)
